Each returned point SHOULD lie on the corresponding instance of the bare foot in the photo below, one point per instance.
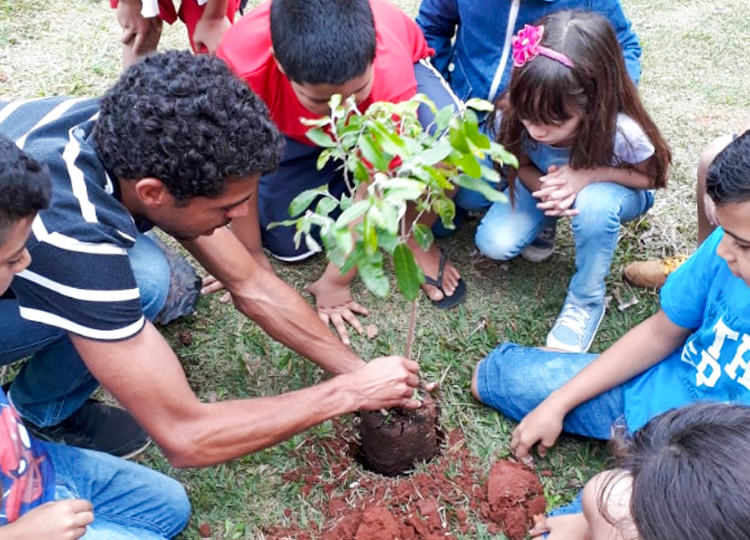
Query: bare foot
(429, 262)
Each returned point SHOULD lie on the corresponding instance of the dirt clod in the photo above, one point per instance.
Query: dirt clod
(514, 496)
(205, 530)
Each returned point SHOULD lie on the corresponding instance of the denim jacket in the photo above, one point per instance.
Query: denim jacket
(477, 62)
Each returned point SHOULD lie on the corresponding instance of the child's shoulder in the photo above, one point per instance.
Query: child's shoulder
(632, 145)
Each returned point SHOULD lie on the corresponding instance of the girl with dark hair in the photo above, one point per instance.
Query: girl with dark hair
(587, 150)
(683, 475)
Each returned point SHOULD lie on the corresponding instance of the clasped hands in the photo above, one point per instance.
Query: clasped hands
(560, 187)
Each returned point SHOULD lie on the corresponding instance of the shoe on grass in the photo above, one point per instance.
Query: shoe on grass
(97, 426)
(652, 274)
(543, 245)
(575, 327)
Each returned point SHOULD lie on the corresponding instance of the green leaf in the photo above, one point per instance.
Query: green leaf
(390, 212)
(369, 236)
(388, 241)
(457, 139)
(326, 205)
(437, 153)
(323, 158)
(335, 102)
(355, 211)
(372, 153)
(390, 142)
(481, 186)
(408, 275)
(303, 201)
(423, 236)
(312, 244)
(490, 175)
(478, 104)
(343, 238)
(499, 154)
(468, 164)
(443, 118)
(446, 210)
(422, 98)
(320, 137)
(403, 188)
(370, 269)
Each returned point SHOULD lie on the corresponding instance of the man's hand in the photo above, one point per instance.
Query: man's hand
(543, 425)
(139, 34)
(386, 382)
(208, 32)
(59, 520)
(335, 306)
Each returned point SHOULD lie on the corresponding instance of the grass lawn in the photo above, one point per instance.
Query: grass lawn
(696, 84)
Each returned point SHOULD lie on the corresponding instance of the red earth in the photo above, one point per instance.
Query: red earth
(435, 503)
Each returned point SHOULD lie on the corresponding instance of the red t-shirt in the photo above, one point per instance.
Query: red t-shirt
(246, 47)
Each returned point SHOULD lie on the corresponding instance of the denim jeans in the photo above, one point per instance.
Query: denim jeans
(131, 502)
(515, 379)
(603, 207)
(55, 382)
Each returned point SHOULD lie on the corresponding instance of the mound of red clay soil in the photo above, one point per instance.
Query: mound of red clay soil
(514, 496)
(433, 504)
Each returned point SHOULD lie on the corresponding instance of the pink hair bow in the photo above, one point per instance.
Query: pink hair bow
(527, 46)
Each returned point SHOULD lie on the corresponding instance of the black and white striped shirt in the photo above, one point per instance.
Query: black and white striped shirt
(80, 277)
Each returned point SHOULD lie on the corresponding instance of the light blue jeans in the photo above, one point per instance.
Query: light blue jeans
(131, 502)
(514, 380)
(603, 207)
(55, 382)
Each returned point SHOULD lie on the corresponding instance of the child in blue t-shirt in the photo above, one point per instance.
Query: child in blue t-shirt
(52, 491)
(696, 347)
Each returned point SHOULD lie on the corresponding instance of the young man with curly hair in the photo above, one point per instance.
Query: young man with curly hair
(178, 143)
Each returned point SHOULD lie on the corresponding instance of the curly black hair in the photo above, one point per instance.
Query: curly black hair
(24, 186)
(188, 121)
(728, 177)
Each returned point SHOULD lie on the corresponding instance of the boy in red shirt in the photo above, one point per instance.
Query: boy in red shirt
(296, 54)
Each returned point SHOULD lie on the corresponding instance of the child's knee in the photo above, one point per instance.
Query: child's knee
(495, 245)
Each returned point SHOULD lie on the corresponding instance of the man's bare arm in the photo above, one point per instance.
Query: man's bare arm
(271, 303)
(145, 376)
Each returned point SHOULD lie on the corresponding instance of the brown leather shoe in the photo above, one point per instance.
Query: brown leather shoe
(652, 274)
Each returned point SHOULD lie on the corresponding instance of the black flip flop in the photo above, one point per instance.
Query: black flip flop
(448, 301)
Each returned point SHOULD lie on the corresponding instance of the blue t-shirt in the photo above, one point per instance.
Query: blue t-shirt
(28, 479)
(714, 362)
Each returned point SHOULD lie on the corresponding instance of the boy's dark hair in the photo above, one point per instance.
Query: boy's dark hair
(323, 41)
(544, 91)
(24, 186)
(691, 474)
(728, 176)
(188, 121)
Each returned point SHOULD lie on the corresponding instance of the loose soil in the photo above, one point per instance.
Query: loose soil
(393, 443)
(446, 497)
(514, 496)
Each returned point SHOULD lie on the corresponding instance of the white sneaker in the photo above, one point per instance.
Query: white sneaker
(575, 327)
